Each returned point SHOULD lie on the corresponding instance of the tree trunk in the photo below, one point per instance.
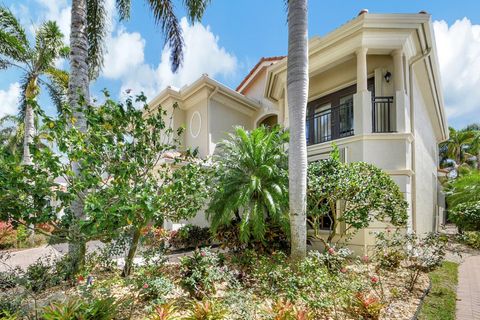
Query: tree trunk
(297, 94)
(131, 253)
(29, 133)
(478, 159)
(77, 89)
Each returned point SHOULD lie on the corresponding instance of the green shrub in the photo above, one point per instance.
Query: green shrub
(155, 289)
(466, 216)
(470, 238)
(200, 272)
(40, 275)
(97, 309)
(22, 234)
(10, 306)
(389, 250)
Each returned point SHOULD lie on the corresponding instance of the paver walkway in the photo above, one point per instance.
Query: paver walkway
(468, 291)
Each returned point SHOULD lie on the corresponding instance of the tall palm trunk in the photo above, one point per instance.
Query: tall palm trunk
(78, 90)
(297, 92)
(29, 121)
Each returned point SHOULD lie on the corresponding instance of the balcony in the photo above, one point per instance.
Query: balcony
(382, 115)
(331, 123)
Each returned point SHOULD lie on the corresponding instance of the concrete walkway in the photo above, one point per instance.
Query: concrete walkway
(468, 291)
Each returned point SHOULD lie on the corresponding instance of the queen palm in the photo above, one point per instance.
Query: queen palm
(297, 95)
(37, 63)
(251, 176)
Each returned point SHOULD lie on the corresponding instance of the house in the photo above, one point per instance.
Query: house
(374, 90)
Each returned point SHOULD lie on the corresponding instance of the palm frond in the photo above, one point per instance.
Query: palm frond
(48, 43)
(164, 15)
(123, 8)
(13, 39)
(96, 33)
(195, 9)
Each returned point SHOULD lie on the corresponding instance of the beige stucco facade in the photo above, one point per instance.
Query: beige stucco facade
(373, 58)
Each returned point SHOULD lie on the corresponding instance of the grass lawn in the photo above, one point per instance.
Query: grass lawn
(440, 302)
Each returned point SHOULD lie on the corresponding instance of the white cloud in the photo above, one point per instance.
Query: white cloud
(58, 11)
(9, 99)
(202, 54)
(125, 52)
(459, 57)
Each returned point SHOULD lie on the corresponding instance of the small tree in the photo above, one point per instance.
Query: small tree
(124, 179)
(251, 182)
(353, 194)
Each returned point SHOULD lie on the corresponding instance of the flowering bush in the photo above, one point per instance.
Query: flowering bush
(334, 259)
(200, 272)
(155, 289)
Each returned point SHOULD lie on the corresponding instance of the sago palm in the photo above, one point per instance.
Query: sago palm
(37, 63)
(251, 182)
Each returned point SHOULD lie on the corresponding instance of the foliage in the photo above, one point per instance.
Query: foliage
(423, 254)
(98, 309)
(7, 235)
(251, 182)
(190, 236)
(274, 239)
(368, 307)
(334, 259)
(455, 148)
(156, 288)
(361, 192)
(389, 250)
(466, 216)
(464, 189)
(440, 303)
(40, 275)
(470, 238)
(207, 310)
(164, 312)
(200, 272)
(286, 310)
(10, 307)
(122, 165)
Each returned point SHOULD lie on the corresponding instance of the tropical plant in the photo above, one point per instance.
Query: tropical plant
(87, 38)
(354, 194)
(455, 148)
(11, 134)
(99, 309)
(297, 94)
(464, 189)
(122, 165)
(164, 312)
(37, 63)
(207, 310)
(251, 182)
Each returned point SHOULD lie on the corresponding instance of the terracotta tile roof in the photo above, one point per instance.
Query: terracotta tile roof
(263, 59)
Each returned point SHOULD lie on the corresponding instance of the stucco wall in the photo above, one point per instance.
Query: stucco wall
(194, 138)
(222, 120)
(425, 163)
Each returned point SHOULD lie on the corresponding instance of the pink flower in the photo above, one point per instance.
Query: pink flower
(343, 270)
(80, 278)
(331, 251)
(203, 254)
(145, 286)
(374, 279)
(365, 259)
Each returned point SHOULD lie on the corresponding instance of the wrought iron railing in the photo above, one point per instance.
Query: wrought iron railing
(383, 114)
(330, 124)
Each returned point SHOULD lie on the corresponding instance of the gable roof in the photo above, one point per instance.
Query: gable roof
(263, 62)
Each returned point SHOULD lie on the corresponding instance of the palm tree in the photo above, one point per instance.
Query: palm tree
(252, 180)
(11, 134)
(87, 35)
(456, 146)
(297, 95)
(37, 62)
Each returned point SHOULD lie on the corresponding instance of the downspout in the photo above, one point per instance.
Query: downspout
(412, 130)
(214, 92)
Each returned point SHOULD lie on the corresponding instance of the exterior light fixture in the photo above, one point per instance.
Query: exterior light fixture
(388, 76)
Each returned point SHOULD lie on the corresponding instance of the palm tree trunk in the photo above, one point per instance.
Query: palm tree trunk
(297, 95)
(78, 90)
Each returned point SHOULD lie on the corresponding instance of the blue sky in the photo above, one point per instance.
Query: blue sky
(235, 34)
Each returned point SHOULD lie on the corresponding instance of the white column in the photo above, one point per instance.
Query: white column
(361, 69)
(398, 79)
(362, 100)
(401, 100)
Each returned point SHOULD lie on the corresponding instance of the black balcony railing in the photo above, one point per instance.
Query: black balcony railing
(382, 114)
(330, 124)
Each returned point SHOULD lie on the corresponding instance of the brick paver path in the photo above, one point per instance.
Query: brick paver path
(468, 291)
